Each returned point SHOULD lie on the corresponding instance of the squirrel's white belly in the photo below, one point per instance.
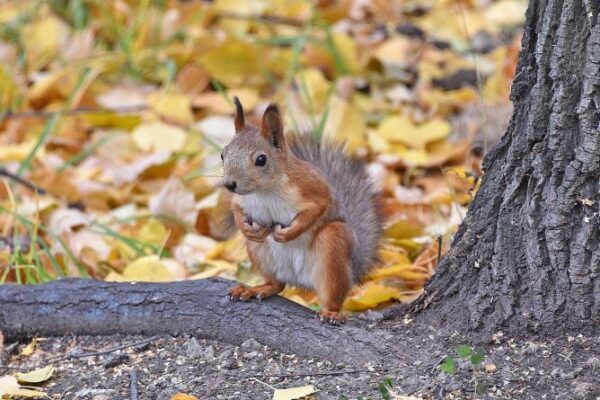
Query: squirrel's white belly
(289, 262)
(267, 209)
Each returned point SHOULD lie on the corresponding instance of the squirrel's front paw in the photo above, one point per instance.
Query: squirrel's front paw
(282, 235)
(255, 232)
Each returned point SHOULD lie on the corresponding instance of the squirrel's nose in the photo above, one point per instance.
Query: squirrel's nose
(230, 186)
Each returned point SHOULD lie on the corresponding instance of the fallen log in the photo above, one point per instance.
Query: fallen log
(198, 307)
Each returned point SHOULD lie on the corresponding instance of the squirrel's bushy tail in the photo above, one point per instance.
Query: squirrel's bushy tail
(354, 192)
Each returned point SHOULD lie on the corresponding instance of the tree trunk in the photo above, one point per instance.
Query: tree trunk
(527, 255)
(197, 307)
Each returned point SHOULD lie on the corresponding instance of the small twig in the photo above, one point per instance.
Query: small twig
(269, 19)
(4, 172)
(262, 383)
(134, 389)
(9, 114)
(304, 374)
(439, 252)
(110, 350)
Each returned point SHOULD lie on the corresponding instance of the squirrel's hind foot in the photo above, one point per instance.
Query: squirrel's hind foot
(335, 318)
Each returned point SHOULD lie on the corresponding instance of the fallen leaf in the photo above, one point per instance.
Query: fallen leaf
(173, 106)
(225, 64)
(183, 396)
(30, 348)
(192, 79)
(193, 249)
(158, 136)
(397, 51)
(401, 129)
(10, 386)
(371, 295)
(65, 220)
(345, 123)
(43, 38)
(120, 97)
(293, 393)
(174, 200)
(17, 152)
(133, 170)
(218, 104)
(149, 269)
(317, 88)
(506, 12)
(243, 7)
(490, 368)
(37, 375)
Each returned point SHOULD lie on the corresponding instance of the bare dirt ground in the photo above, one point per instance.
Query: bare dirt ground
(100, 368)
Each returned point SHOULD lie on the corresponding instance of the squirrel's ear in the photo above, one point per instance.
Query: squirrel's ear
(272, 126)
(238, 119)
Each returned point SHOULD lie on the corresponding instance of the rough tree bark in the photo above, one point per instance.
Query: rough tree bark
(527, 255)
(199, 308)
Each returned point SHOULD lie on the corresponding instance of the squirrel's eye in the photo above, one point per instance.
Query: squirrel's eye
(221, 156)
(261, 160)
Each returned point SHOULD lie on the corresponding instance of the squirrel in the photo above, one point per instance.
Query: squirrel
(308, 210)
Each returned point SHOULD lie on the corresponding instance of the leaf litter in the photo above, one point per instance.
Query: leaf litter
(119, 111)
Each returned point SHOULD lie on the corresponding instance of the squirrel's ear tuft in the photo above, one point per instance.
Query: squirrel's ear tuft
(238, 119)
(272, 126)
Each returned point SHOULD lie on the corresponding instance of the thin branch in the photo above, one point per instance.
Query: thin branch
(9, 114)
(268, 19)
(110, 350)
(439, 252)
(4, 172)
(323, 373)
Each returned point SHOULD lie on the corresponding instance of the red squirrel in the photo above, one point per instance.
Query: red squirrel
(307, 209)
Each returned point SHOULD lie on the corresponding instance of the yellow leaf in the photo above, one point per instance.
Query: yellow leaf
(234, 63)
(147, 269)
(399, 50)
(54, 86)
(403, 229)
(371, 295)
(8, 90)
(506, 12)
(10, 386)
(173, 106)
(233, 250)
(346, 47)
(243, 7)
(37, 375)
(216, 268)
(392, 255)
(214, 102)
(405, 272)
(18, 152)
(293, 393)
(393, 271)
(183, 396)
(152, 232)
(400, 129)
(30, 348)
(156, 136)
(345, 123)
(316, 85)
(42, 39)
